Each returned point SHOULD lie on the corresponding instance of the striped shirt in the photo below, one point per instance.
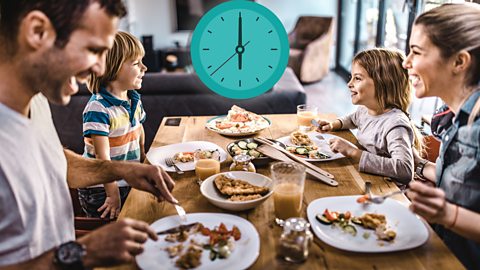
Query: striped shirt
(120, 120)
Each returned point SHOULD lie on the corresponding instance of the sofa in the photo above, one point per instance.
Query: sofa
(310, 45)
(178, 94)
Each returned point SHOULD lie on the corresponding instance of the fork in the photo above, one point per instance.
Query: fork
(169, 161)
(181, 212)
(381, 199)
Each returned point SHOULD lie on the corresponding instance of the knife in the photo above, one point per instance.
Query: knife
(177, 229)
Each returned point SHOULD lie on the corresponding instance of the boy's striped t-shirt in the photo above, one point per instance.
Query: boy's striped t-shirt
(120, 120)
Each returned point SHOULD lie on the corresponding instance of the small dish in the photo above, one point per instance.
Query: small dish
(258, 161)
(210, 192)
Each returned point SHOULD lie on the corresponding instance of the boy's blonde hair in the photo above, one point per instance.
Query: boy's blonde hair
(392, 87)
(125, 47)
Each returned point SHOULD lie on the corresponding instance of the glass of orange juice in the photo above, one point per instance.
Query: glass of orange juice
(305, 115)
(207, 163)
(289, 180)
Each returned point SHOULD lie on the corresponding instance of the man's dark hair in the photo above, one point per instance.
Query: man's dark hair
(64, 14)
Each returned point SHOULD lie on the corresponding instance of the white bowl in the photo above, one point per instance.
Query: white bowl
(210, 192)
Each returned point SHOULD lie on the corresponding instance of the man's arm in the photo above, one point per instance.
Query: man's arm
(112, 244)
(84, 172)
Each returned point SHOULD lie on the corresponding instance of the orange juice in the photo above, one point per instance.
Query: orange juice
(287, 199)
(205, 168)
(305, 118)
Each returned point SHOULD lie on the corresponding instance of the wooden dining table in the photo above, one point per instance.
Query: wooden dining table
(143, 206)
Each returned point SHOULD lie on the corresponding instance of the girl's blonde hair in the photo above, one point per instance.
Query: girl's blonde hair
(125, 47)
(392, 87)
(454, 28)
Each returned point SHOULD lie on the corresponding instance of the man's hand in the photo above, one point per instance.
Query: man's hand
(148, 178)
(116, 243)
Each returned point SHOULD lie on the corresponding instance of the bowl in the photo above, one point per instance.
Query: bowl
(257, 161)
(210, 191)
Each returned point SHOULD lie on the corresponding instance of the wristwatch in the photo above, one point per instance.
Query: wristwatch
(70, 255)
(420, 167)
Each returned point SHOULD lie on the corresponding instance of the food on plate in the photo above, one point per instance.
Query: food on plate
(242, 198)
(378, 223)
(174, 251)
(372, 221)
(230, 187)
(363, 199)
(219, 241)
(301, 139)
(239, 120)
(339, 219)
(183, 157)
(207, 154)
(191, 258)
(246, 148)
(307, 152)
(345, 221)
(222, 241)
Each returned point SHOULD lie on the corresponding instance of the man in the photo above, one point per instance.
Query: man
(45, 47)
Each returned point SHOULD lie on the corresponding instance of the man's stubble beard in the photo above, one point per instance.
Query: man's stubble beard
(45, 75)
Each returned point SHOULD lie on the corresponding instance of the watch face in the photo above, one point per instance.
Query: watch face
(70, 253)
(239, 49)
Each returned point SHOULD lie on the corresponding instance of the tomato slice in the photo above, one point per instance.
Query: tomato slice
(362, 199)
(332, 216)
(236, 233)
(348, 215)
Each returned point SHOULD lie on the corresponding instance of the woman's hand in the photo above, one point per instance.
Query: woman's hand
(430, 203)
(339, 145)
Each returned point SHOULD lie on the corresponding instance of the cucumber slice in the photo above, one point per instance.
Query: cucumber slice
(322, 219)
(356, 220)
(252, 145)
(242, 144)
(301, 151)
(350, 229)
(254, 153)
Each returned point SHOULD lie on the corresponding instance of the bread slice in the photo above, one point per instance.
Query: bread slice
(241, 198)
(229, 186)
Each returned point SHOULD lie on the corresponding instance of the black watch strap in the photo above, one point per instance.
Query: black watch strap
(420, 167)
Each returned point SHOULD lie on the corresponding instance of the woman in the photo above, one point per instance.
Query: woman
(444, 61)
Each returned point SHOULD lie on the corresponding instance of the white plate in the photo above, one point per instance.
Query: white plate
(411, 231)
(211, 126)
(246, 251)
(157, 155)
(210, 192)
(321, 144)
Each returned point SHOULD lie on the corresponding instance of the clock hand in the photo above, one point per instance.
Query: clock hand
(239, 49)
(245, 45)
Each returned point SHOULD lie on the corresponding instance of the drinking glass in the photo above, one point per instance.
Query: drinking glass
(305, 115)
(207, 163)
(289, 180)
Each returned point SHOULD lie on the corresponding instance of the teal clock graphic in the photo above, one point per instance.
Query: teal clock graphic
(239, 49)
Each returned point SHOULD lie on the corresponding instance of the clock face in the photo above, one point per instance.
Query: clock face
(239, 49)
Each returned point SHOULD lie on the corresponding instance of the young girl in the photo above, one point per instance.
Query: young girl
(112, 122)
(380, 84)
